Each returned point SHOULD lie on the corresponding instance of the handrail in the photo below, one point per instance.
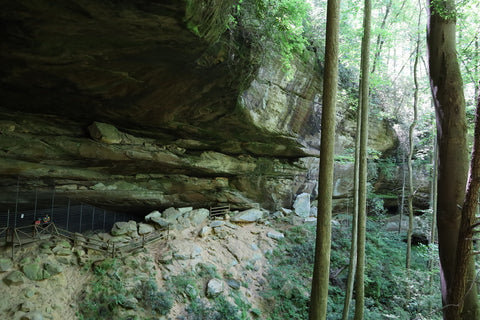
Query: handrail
(219, 211)
(107, 247)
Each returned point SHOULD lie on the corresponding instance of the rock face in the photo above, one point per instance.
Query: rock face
(146, 104)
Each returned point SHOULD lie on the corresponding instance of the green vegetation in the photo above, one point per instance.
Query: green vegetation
(108, 296)
(188, 286)
(386, 281)
(274, 26)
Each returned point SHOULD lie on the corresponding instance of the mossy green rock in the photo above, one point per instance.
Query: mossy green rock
(5, 264)
(53, 268)
(14, 278)
(33, 271)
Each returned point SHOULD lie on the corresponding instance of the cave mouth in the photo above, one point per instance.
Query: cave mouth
(20, 209)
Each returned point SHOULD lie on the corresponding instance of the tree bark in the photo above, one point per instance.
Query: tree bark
(354, 234)
(449, 101)
(362, 183)
(410, 154)
(319, 294)
(464, 279)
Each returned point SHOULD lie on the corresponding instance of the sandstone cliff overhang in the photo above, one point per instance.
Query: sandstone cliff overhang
(198, 119)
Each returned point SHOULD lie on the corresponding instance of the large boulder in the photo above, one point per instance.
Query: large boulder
(302, 205)
(247, 216)
(121, 228)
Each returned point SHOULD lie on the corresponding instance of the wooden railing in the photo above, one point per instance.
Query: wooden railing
(28, 234)
(219, 211)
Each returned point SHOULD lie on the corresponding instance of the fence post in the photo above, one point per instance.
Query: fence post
(93, 217)
(68, 213)
(35, 210)
(53, 200)
(81, 214)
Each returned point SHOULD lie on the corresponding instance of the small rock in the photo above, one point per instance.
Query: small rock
(33, 271)
(61, 251)
(125, 228)
(214, 287)
(53, 268)
(234, 284)
(205, 231)
(161, 222)
(216, 223)
(14, 278)
(275, 235)
(310, 220)
(145, 228)
(250, 215)
(286, 211)
(5, 264)
(27, 306)
(171, 214)
(153, 214)
(197, 216)
(196, 252)
(185, 210)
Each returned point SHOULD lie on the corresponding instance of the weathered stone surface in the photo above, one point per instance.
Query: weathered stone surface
(33, 271)
(214, 287)
(302, 205)
(5, 264)
(197, 216)
(153, 214)
(53, 268)
(250, 215)
(171, 214)
(14, 278)
(104, 132)
(205, 231)
(161, 222)
(275, 235)
(125, 228)
(156, 106)
(145, 228)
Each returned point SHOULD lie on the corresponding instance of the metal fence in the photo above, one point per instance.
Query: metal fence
(67, 214)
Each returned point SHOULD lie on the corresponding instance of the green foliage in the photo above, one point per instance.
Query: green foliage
(275, 25)
(160, 302)
(107, 296)
(220, 309)
(445, 9)
(385, 279)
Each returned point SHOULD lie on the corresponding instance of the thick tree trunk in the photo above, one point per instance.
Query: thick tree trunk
(447, 89)
(319, 295)
(362, 176)
(464, 279)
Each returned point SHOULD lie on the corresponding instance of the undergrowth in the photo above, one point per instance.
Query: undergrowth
(386, 280)
(108, 296)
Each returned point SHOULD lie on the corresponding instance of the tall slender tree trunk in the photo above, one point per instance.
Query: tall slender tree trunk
(354, 234)
(380, 40)
(402, 201)
(410, 153)
(449, 101)
(362, 183)
(321, 271)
